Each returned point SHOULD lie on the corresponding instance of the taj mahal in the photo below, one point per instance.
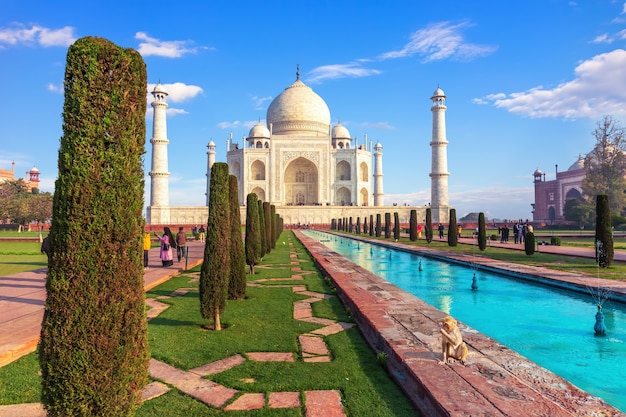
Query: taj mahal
(310, 170)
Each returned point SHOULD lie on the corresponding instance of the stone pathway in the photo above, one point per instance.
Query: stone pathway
(194, 383)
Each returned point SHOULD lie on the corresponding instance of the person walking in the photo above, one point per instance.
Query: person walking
(440, 228)
(181, 244)
(201, 231)
(147, 244)
(45, 247)
(167, 242)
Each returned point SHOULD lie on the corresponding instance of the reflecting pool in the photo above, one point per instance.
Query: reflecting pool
(550, 326)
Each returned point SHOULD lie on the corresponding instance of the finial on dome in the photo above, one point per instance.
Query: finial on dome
(297, 72)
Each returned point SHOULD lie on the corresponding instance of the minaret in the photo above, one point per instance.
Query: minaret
(159, 176)
(210, 161)
(378, 175)
(439, 165)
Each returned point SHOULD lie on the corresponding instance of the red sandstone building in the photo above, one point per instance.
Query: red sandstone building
(550, 196)
(31, 178)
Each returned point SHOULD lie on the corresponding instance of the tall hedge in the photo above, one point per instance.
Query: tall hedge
(529, 243)
(378, 225)
(482, 232)
(93, 350)
(267, 221)
(371, 225)
(387, 225)
(429, 225)
(365, 225)
(396, 226)
(237, 280)
(253, 233)
(413, 226)
(262, 229)
(453, 238)
(604, 234)
(215, 270)
(273, 226)
(358, 225)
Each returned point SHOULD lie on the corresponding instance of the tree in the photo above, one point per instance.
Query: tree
(396, 226)
(40, 208)
(274, 226)
(482, 232)
(372, 225)
(378, 225)
(267, 221)
(529, 243)
(215, 270)
(604, 233)
(578, 211)
(387, 225)
(413, 226)
(93, 351)
(253, 232)
(262, 229)
(237, 280)
(358, 225)
(429, 225)
(453, 236)
(605, 165)
(365, 225)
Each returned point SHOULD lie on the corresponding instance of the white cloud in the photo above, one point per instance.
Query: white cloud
(597, 89)
(440, 41)
(377, 125)
(55, 88)
(331, 72)
(176, 92)
(168, 49)
(37, 35)
(259, 102)
(229, 125)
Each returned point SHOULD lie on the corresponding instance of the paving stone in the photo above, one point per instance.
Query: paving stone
(317, 359)
(156, 308)
(181, 291)
(316, 295)
(247, 402)
(298, 288)
(333, 328)
(323, 404)
(284, 400)
(313, 344)
(219, 366)
(271, 356)
(153, 390)
(23, 410)
(318, 320)
(301, 310)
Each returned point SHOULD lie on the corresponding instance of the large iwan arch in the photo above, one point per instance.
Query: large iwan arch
(301, 183)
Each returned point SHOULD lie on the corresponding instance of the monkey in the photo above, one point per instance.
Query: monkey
(452, 344)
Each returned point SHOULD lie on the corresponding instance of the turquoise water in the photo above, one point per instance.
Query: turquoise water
(551, 327)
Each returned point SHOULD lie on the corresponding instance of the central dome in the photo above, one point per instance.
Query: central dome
(298, 110)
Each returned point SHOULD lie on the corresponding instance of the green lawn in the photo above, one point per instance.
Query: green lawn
(262, 322)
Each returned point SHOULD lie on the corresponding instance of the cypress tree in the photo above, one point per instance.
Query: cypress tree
(396, 226)
(604, 235)
(482, 232)
(529, 243)
(365, 225)
(273, 225)
(413, 226)
(358, 225)
(268, 226)
(371, 225)
(93, 351)
(453, 236)
(378, 225)
(429, 225)
(253, 239)
(351, 225)
(215, 270)
(387, 225)
(237, 281)
(262, 229)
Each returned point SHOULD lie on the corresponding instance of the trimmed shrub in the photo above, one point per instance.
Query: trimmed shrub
(387, 225)
(378, 225)
(429, 225)
(267, 221)
(529, 243)
(482, 232)
(604, 234)
(93, 351)
(237, 281)
(555, 241)
(453, 239)
(413, 226)
(253, 232)
(371, 225)
(262, 229)
(396, 226)
(215, 270)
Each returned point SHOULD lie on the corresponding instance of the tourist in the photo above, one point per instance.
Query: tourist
(167, 241)
(181, 243)
(201, 231)
(440, 228)
(147, 244)
(45, 247)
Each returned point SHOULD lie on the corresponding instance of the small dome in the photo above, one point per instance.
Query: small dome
(537, 173)
(34, 169)
(259, 130)
(158, 89)
(340, 132)
(439, 93)
(211, 144)
(579, 164)
(378, 146)
(298, 110)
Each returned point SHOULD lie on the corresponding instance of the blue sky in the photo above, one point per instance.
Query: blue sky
(526, 82)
